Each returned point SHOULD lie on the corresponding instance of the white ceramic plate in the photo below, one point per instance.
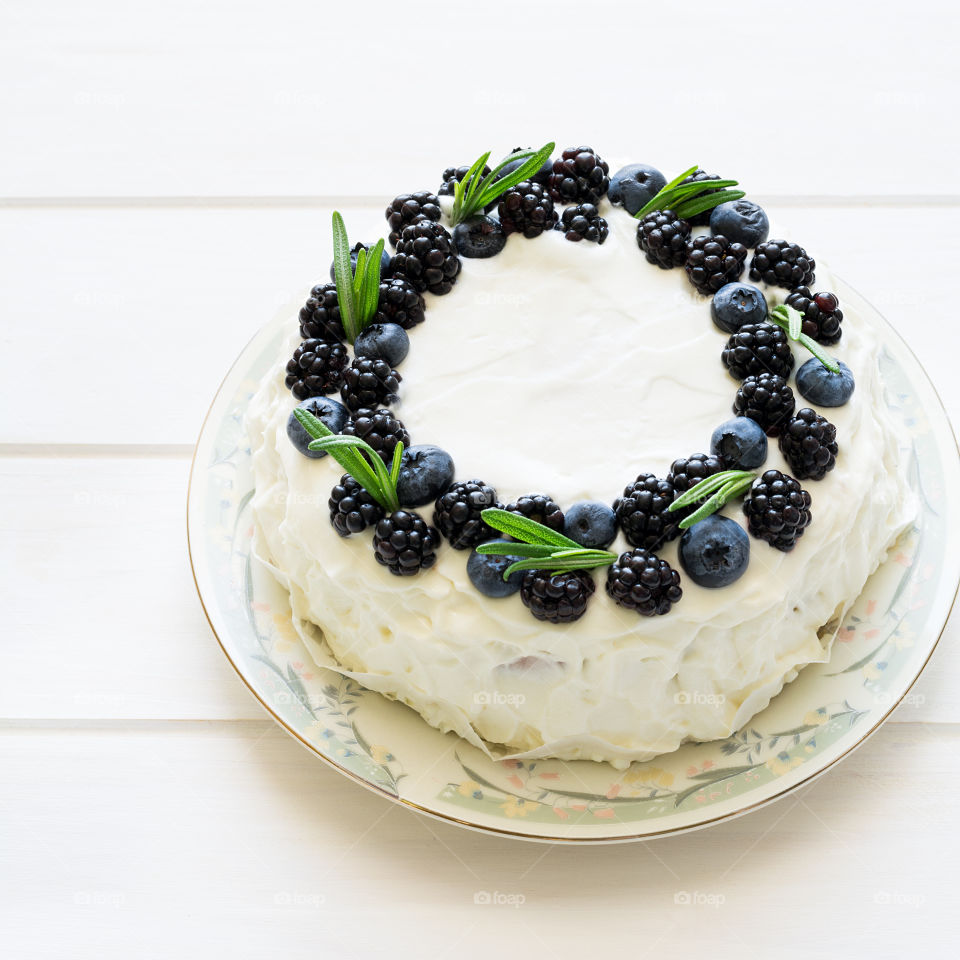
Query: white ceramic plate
(816, 721)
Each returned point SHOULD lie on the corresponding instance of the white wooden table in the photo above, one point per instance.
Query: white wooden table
(166, 179)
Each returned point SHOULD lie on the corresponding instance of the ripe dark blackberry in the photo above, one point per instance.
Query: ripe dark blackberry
(320, 315)
(352, 509)
(642, 512)
(558, 597)
(427, 257)
(662, 236)
(453, 175)
(821, 314)
(316, 368)
(809, 443)
(404, 543)
(701, 219)
(368, 382)
(713, 261)
(400, 302)
(758, 348)
(777, 509)
(766, 399)
(409, 207)
(579, 176)
(583, 222)
(782, 264)
(687, 472)
(457, 513)
(527, 209)
(639, 580)
(539, 507)
(379, 428)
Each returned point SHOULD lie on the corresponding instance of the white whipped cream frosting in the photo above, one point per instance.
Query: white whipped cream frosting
(569, 368)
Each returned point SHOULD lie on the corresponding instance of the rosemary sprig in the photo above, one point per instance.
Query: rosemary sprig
(541, 547)
(358, 290)
(689, 199)
(474, 191)
(788, 319)
(712, 494)
(358, 458)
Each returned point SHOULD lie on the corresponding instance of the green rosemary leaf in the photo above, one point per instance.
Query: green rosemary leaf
(734, 487)
(781, 316)
(522, 528)
(313, 425)
(473, 177)
(509, 158)
(691, 208)
(361, 461)
(517, 549)
(667, 191)
(711, 506)
(344, 276)
(575, 560)
(676, 181)
(395, 465)
(369, 295)
(483, 193)
(709, 485)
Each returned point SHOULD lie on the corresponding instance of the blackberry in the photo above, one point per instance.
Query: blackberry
(404, 543)
(663, 236)
(583, 222)
(782, 264)
(809, 444)
(400, 302)
(457, 513)
(821, 314)
(316, 368)
(701, 219)
(320, 315)
(758, 348)
(378, 427)
(409, 207)
(427, 257)
(352, 509)
(526, 209)
(539, 507)
(639, 580)
(369, 382)
(687, 472)
(767, 399)
(453, 175)
(713, 262)
(579, 176)
(642, 512)
(777, 509)
(558, 597)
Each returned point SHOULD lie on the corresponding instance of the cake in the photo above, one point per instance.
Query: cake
(588, 369)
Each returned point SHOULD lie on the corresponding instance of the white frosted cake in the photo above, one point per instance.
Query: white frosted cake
(568, 369)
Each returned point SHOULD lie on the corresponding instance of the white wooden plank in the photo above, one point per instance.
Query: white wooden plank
(252, 848)
(121, 306)
(227, 98)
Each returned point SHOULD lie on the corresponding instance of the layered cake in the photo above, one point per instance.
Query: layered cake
(575, 465)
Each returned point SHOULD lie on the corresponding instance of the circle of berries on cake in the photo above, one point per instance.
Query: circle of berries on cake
(404, 543)
(369, 382)
(700, 176)
(317, 367)
(320, 315)
(713, 261)
(538, 507)
(399, 302)
(821, 314)
(408, 208)
(639, 580)
(758, 348)
(809, 443)
(457, 513)
(767, 399)
(427, 257)
(663, 236)
(557, 597)
(352, 509)
(642, 512)
(379, 428)
(526, 209)
(777, 510)
(782, 264)
(583, 222)
(579, 176)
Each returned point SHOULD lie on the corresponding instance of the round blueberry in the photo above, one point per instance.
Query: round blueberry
(383, 341)
(485, 571)
(425, 472)
(332, 414)
(591, 524)
(715, 552)
(735, 304)
(818, 385)
(635, 185)
(741, 442)
(479, 237)
(740, 221)
(385, 260)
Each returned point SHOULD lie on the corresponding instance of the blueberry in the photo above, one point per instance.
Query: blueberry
(383, 341)
(333, 415)
(591, 524)
(540, 176)
(818, 385)
(715, 552)
(485, 571)
(479, 237)
(425, 473)
(740, 221)
(741, 442)
(385, 260)
(634, 185)
(735, 304)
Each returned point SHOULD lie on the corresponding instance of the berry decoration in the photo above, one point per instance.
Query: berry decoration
(583, 222)
(639, 580)
(809, 444)
(778, 510)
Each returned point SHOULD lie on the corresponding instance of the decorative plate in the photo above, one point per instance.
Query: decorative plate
(816, 721)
